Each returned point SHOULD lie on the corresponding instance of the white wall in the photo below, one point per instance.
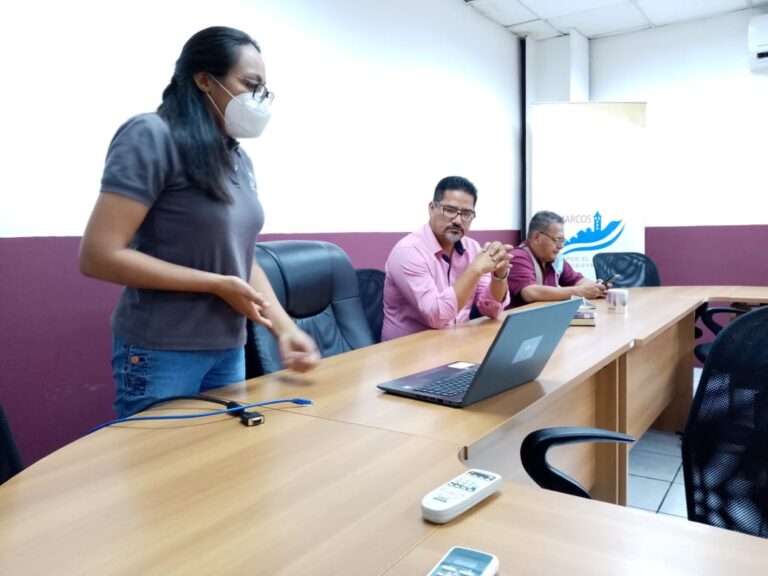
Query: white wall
(579, 67)
(707, 117)
(560, 69)
(375, 102)
(552, 76)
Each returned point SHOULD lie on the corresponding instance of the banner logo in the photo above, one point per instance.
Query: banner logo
(589, 239)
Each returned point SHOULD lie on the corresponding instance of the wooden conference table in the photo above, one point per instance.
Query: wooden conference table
(334, 488)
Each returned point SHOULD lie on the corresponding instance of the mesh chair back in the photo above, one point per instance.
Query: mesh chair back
(636, 269)
(725, 443)
(371, 284)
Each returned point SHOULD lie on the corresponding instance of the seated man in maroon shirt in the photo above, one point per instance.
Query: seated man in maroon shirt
(539, 272)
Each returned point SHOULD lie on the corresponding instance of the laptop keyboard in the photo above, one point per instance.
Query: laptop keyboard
(451, 386)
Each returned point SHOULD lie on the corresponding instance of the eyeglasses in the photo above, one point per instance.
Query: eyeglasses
(451, 212)
(558, 241)
(258, 90)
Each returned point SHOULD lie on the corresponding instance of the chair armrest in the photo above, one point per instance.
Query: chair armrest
(533, 453)
(709, 321)
(698, 332)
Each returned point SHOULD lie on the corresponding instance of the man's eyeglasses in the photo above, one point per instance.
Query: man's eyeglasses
(258, 90)
(559, 241)
(451, 212)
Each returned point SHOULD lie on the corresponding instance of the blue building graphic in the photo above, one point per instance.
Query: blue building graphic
(597, 239)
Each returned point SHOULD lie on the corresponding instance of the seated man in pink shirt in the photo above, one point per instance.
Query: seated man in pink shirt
(436, 274)
(540, 273)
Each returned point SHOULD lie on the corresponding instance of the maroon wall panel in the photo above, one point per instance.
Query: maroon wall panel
(55, 343)
(709, 255)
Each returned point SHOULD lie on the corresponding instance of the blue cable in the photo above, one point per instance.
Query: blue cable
(240, 408)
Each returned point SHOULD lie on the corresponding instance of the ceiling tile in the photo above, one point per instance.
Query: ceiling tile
(666, 11)
(601, 21)
(550, 8)
(505, 12)
(599, 17)
(537, 29)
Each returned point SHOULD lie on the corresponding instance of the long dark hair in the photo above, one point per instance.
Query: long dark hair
(202, 149)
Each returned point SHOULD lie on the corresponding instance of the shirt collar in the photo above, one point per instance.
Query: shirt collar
(434, 245)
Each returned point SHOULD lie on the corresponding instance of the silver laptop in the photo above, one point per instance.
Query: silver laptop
(522, 347)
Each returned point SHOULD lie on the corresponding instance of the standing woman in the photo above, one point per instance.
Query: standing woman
(176, 223)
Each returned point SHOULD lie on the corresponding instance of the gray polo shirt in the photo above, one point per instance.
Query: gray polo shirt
(185, 226)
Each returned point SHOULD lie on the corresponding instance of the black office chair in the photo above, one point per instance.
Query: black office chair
(10, 460)
(533, 454)
(317, 285)
(370, 282)
(725, 441)
(707, 315)
(636, 269)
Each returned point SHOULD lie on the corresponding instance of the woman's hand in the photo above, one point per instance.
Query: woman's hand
(242, 297)
(298, 351)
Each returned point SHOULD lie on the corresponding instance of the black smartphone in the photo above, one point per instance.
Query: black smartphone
(611, 279)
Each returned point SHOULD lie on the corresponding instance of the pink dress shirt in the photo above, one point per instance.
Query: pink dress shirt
(418, 288)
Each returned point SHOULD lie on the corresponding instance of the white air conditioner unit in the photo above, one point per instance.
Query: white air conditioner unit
(757, 43)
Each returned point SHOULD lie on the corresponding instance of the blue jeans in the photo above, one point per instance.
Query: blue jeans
(144, 375)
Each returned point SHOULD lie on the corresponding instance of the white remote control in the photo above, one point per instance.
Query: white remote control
(446, 502)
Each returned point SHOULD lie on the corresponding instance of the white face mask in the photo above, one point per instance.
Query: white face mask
(244, 117)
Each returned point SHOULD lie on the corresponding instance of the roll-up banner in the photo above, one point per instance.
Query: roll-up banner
(589, 164)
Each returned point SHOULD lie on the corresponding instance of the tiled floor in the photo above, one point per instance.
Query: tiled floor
(656, 473)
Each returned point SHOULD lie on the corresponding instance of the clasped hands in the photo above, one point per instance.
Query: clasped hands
(495, 258)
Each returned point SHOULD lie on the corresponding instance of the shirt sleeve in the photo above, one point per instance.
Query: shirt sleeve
(569, 276)
(413, 276)
(138, 160)
(521, 273)
(486, 303)
(482, 296)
